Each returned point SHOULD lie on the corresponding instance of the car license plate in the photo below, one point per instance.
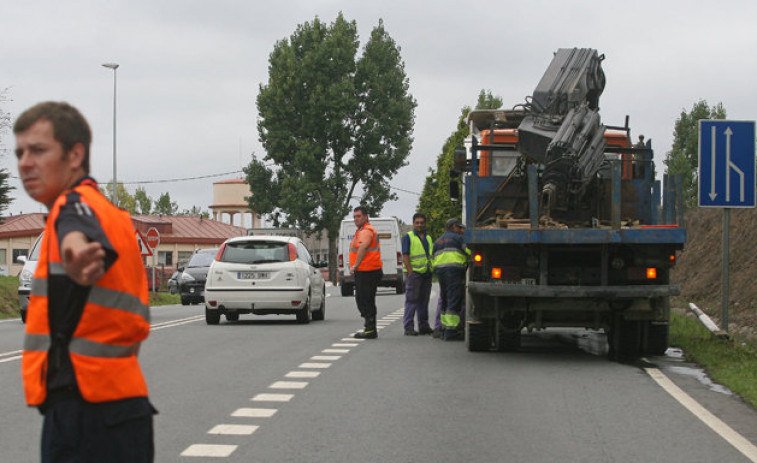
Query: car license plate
(253, 275)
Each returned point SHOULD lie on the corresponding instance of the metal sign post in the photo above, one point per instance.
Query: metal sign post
(726, 179)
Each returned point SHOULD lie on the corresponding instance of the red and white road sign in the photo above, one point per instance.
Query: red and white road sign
(153, 238)
(142, 243)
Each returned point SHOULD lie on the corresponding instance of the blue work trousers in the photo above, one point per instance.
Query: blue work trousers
(452, 295)
(417, 293)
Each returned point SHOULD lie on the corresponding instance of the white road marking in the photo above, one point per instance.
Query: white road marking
(314, 365)
(335, 351)
(289, 385)
(179, 322)
(302, 374)
(11, 356)
(738, 441)
(272, 397)
(345, 344)
(234, 429)
(207, 450)
(353, 339)
(325, 357)
(254, 412)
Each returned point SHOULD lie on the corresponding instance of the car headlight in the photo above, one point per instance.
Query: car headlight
(25, 279)
(187, 277)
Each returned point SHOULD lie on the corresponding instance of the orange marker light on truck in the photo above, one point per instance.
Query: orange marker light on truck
(496, 273)
(651, 273)
(477, 258)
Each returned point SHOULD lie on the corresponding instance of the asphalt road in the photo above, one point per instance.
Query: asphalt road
(266, 389)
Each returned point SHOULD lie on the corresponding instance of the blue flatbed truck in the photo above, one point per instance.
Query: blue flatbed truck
(557, 244)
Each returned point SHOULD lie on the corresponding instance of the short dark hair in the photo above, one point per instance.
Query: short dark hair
(69, 126)
(361, 209)
(419, 215)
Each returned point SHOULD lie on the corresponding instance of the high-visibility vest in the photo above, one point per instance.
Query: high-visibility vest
(115, 319)
(450, 257)
(372, 259)
(420, 259)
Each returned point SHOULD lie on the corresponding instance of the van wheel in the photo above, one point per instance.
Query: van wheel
(232, 316)
(212, 317)
(400, 285)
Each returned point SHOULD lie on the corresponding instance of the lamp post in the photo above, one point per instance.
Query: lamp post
(114, 197)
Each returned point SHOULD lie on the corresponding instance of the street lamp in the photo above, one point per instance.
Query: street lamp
(114, 197)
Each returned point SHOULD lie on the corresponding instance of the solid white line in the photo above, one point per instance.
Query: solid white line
(314, 365)
(172, 323)
(12, 352)
(723, 430)
(325, 357)
(207, 450)
(289, 385)
(272, 398)
(234, 429)
(254, 412)
(302, 374)
(335, 351)
(10, 359)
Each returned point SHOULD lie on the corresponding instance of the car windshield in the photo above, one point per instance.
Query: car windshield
(202, 259)
(35, 250)
(255, 252)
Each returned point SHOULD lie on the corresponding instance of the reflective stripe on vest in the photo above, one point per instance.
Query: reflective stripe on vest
(372, 258)
(419, 260)
(114, 321)
(450, 257)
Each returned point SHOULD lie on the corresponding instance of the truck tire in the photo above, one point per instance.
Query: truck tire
(625, 340)
(508, 335)
(212, 317)
(347, 289)
(656, 338)
(479, 336)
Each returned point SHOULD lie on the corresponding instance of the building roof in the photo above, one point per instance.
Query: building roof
(177, 229)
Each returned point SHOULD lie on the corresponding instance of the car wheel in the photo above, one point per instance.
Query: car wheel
(320, 314)
(303, 316)
(23, 316)
(232, 316)
(212, 317)
(184, 301)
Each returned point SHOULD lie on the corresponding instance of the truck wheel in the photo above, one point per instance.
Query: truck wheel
(184, 300)
(657, 338)
(347, 289)
(624, 340)
(212, 317)
(479, 336)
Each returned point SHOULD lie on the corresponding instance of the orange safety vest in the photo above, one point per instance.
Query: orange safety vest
(372, 259)
(114, 321)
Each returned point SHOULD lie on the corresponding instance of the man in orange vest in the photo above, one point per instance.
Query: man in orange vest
(365, 264)
(88, 309)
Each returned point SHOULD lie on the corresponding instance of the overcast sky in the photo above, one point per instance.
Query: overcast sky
(190, 70)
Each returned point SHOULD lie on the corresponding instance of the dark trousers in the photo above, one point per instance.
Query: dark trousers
(417, 293)
(75, 431)
(366, 284)
(452, 288)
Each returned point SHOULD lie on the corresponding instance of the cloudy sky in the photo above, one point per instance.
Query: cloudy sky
(190, 70)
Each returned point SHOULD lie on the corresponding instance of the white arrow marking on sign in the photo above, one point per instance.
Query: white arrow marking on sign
(728, 132)
(713, 193)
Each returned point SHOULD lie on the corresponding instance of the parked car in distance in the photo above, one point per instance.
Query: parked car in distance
(193, 276)
(173, 283)
(27, 275)
(264, 275)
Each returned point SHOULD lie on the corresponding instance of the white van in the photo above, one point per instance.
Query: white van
(388, 229)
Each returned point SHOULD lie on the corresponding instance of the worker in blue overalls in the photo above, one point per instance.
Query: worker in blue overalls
(450, 260)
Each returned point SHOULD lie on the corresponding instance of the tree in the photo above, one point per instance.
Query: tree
(683, 158)
(196, 211)
(5, 124)
(143, 201)
(435, 201)
(165, 206)
(125, 200)
(335, 129)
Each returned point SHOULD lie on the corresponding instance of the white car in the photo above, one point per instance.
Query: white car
(264, 275)
(27, 275)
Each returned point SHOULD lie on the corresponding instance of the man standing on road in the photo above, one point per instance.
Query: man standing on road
(365, 264)
(88, 310)
(450, 262)
(416, 257)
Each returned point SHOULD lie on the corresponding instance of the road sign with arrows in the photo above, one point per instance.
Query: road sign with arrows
(726, 163)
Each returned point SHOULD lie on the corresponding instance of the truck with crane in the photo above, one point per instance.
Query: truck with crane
(567, 224)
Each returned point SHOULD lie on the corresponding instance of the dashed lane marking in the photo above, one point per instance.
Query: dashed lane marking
(254, 412)
(233, 429)
(289, 385)
(722, 429)
(345, 344)
(335, 351)
(314, 365)
(326, 357)
(208, 450)
(263, 397)
(302, 374)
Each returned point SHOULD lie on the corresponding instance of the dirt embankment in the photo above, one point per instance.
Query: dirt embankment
(699, 267)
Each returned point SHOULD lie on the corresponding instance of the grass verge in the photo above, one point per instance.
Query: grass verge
(731, 363)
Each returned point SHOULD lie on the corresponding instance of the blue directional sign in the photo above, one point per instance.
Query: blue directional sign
(726, 163)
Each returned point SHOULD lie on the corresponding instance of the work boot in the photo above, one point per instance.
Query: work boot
(453, 335)
(424, 331)
(366, 334)
(437, 333)
(411, 333)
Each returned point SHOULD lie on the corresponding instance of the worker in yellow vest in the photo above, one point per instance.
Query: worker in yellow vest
(416, 257)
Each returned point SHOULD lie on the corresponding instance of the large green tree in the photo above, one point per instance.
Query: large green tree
(683, 158)
(335, 128)
(143, 201)
(435, 201)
